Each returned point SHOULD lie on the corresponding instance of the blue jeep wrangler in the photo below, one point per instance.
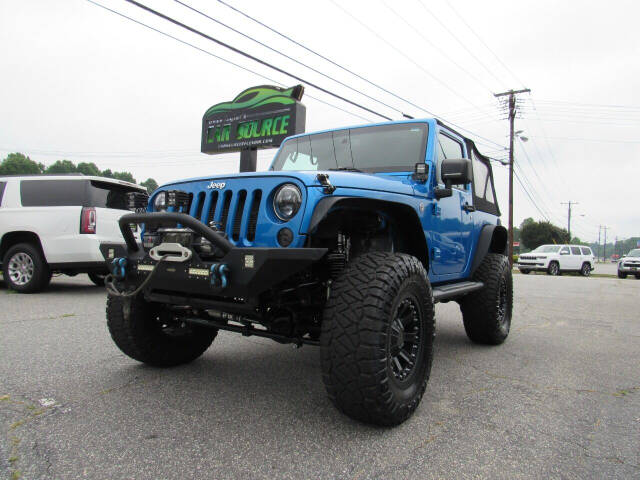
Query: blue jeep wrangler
(347, 242)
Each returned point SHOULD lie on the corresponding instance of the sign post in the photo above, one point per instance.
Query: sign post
(259, 117)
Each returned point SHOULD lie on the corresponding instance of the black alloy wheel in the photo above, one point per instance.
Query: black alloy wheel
(405, 339)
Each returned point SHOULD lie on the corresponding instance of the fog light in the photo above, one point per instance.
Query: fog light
(285, 237)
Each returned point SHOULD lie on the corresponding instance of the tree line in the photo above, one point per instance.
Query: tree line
(532, 234)
(20, 164)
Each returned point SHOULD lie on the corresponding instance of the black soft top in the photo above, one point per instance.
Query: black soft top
(484, 197)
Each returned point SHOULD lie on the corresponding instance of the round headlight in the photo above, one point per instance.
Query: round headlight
(160, 202)
(287, 201)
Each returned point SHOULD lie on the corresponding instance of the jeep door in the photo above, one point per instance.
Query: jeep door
(452, 226)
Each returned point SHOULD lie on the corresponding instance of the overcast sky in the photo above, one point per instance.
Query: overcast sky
(81, 83)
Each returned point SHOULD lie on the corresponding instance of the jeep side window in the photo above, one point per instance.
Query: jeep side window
(481, 180)
(2, 184)
(586, 251)
(564, 251)
(575, 251)
(447, 148)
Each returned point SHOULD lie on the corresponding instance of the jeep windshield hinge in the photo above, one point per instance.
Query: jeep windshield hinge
(323, 178)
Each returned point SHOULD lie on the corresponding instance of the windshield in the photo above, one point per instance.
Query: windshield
(384, 148)
(547, 249)
(634, 253)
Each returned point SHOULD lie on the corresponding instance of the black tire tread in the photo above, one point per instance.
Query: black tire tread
(138, 339)
(479, 308)
(353, 339)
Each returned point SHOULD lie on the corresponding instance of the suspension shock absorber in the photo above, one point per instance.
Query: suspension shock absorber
(339, 257)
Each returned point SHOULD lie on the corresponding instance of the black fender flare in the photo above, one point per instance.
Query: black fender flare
(492, 239)
(392, 209)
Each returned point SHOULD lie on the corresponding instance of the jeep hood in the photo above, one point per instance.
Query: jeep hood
(384, 182)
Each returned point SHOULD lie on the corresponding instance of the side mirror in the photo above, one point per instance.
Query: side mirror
(454, 171)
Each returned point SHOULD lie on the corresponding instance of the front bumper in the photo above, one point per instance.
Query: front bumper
(531, 265)
(249, 272)
(629, 268)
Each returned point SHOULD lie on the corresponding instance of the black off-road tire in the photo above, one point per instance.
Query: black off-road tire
(363, 369)
(638, 276)
(621, 274)
(554, 269)
(97, 278)
(585, 271)
(486, 313)
(141, 334)
(41, 275)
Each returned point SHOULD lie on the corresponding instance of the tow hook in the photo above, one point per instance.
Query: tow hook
(118, 266)
(219, 274)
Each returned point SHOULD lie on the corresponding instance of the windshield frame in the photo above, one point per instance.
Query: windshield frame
(278, 162)
(635, 253)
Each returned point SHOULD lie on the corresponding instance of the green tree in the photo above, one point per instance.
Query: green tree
(61, 166)
(125, 176)
(89, 169)
(150, 184)
(535, 234)
(19, 164)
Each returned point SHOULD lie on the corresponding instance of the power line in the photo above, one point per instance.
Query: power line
(402, 53)
(342, 67)
(484, 43)
(433, 45)
(601, 140)
(288, 57)
(221, 58)
(597, 105)
(455, 37)
(251, 57)
(530, 198)
(274, 81)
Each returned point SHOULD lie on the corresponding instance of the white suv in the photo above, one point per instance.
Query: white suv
(55, 224)
(555, 259)
(630, 264)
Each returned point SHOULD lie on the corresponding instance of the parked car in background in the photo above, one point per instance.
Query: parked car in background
(555, 259)
(55, 224)
(630, 264)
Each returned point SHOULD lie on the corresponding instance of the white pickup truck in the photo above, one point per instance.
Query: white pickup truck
(55, 224)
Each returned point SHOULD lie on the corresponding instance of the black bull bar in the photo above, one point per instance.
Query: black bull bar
(251, 270)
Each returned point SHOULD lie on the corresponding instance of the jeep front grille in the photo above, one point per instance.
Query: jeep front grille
(236, 212)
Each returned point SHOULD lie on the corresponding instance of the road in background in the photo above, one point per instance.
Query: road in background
(560, 399)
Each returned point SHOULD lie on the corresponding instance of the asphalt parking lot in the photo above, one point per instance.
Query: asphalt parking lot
(560, 399)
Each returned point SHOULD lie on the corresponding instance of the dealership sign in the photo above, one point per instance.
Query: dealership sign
(259, 117)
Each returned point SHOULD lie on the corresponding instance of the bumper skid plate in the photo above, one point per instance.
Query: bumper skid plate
(240, 272)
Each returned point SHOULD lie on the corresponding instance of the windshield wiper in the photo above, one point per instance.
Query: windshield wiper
(345, 169)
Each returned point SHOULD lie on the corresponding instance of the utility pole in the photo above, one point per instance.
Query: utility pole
(569, 216)
(599, 248)
(604, 248)
(512, 116)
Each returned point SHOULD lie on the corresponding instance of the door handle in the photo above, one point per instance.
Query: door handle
(468, 208)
